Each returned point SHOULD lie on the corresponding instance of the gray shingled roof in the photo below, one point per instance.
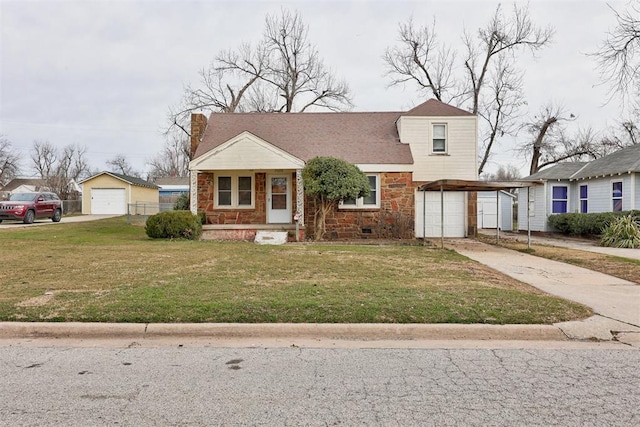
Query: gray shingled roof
(172, 181)
(126, 178)
(622, 161)
(355, 137)
(557, 171)
(17, 182)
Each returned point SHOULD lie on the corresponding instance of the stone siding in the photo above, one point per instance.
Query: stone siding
(255, 215)
(394, 218)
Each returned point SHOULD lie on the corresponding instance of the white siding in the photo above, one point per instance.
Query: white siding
(246, 152)
(636, 191)
(538, 219)
(460, 160)
(600, 193)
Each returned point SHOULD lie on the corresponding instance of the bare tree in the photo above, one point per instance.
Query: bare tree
(173, 160)
(283, 72)
(617, 56)
(489, 85)
(44, 156)
(504, 173)
(59, 166)
(120, 164)
(295, 69)
(551, 143)
(422, 60)
(9, 161)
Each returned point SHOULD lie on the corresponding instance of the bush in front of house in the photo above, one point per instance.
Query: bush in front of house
(174, 225)
(623, 232)
(586, 224)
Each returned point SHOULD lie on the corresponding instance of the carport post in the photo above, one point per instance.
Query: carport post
(497, 216)
(528, 217)
(442, 216)
(424, 218)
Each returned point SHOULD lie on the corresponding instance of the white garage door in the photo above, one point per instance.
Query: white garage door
(108, 201)
(454, 214)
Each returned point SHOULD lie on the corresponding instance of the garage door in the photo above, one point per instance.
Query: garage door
(454, 214)
(108, 201)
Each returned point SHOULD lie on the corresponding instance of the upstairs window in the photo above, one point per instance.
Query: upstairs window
(616, 196)
(584, 199)
(439, 138)
(559, 199)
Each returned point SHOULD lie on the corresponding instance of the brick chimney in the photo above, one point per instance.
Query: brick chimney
(198, 125)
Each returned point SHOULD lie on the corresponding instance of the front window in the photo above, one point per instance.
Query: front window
(371, 201)
(559, 199)
(234, 191)
(439, 138)
(616, 196)
(584, 203)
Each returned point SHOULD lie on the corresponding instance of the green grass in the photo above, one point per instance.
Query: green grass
(109, 271)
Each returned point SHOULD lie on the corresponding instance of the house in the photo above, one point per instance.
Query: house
(608, 184)
(246, 170)
(170, 188)
(22, 185)
(495, 207)
(116, 194)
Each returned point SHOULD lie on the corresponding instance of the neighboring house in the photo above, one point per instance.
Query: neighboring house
(495, 208)
(117, 194)
(170, 188)
(608, 184)
(246, 172)
(22, 185)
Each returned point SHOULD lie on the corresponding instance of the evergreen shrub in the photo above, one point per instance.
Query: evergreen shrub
(174, 225)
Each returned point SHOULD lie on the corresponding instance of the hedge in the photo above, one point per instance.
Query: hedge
(586, 224)
(174, 225)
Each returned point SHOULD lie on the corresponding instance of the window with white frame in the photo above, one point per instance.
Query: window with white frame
(234, 191)
(439, 138)
(559, 195)
(584, 199)
(616, 195)
(371, 201)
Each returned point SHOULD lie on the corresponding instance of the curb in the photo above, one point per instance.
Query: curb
(358, 332)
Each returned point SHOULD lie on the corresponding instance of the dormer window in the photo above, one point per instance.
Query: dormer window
(439, 138)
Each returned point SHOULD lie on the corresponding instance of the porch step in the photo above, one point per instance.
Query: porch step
(271, 237)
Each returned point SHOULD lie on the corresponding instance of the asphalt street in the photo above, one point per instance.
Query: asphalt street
(139, 386)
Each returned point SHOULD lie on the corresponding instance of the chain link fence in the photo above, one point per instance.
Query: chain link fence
(71, 207)
(139, 212)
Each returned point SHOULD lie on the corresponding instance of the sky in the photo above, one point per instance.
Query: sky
(102, 74)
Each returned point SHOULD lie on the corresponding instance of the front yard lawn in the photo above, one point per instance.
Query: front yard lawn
(109, 271)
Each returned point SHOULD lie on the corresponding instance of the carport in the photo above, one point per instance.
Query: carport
(443, 185)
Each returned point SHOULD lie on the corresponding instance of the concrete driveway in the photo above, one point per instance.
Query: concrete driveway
(615, 301)
(47, 221)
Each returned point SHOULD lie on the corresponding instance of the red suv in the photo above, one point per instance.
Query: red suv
(26, 207)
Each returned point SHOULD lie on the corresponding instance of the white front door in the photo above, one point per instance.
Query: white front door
(278, 199)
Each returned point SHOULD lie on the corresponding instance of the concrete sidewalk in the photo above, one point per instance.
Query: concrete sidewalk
(616, 302)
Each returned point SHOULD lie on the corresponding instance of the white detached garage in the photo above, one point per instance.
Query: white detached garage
(109, 193)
